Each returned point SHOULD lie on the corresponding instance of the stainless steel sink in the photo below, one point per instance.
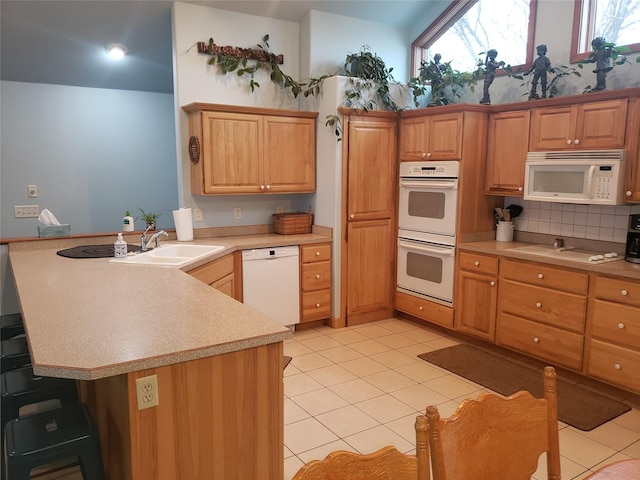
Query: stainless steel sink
(571, 254)
(170, 254)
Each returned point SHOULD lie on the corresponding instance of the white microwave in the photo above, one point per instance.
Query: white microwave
(587, 177)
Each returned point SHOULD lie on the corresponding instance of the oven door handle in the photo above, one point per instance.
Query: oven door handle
(429, 184)
(443, 252)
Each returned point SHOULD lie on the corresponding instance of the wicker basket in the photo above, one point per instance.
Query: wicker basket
(292, 223)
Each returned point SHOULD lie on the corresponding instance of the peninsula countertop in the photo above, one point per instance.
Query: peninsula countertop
(92, 318)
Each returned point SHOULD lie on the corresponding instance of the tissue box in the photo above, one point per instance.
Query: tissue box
(54, 230)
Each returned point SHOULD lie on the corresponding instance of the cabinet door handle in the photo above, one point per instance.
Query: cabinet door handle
(476, 263)
(352, 216)
(268, 187)
(568, 142)
(539, 305)
(519, 189)
(628, 193)
(318, 275)
(624, 293)
(540, 276)
(424, 155)
(536, 340)
(621, 325)
(492, 283)
(617, 366)
(576, 141)
(261, 187)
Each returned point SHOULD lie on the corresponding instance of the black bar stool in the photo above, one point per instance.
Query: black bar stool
(40, 439)
(21, 388)
(10, 326)
(14, 353)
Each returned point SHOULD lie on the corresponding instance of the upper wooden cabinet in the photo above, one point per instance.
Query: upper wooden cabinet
(595, 125)
(507, 148)
(431, 137)
(240, 150)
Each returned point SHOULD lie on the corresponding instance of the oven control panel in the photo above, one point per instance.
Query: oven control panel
(430, 169)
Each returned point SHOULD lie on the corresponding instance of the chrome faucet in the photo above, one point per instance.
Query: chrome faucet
(144, 243)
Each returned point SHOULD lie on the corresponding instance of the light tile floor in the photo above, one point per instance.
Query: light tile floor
(360, 388)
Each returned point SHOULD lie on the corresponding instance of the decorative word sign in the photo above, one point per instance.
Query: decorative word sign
(211, 48)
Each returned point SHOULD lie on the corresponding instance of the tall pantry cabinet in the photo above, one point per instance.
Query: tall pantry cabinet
(368, 199)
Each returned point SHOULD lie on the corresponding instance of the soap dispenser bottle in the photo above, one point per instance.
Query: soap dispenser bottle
(120, 247)
(127, 222)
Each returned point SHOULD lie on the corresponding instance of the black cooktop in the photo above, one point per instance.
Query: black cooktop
(94, 251)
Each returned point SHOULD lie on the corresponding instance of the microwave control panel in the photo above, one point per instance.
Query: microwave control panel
(603, 180)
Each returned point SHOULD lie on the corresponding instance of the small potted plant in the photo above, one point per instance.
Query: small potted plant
(149, 218)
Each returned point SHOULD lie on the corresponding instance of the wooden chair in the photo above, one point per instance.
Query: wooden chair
(497, 438)
(384, 464)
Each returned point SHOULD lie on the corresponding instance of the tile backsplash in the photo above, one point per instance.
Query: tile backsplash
(592, 222)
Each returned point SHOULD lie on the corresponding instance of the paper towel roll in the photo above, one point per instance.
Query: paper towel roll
(184, 224)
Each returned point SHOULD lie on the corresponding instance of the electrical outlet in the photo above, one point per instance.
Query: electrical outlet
(32, 191)
(279, 209)
(147, 392)
(197, 214)
(237, 213)
(26, 211)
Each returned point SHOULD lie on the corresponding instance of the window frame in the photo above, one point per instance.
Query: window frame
(451, 15)
(574, 56)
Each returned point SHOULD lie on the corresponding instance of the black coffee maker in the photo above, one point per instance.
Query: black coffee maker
(632, 253)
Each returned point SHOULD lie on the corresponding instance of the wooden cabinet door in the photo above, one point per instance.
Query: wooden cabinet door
(601, 125)
(414, 137)
(507, 149)
(232, 152)
(370, 270)
(445, 137)
(289, 154)
(476, 304)
(553, 128)
(372, 169)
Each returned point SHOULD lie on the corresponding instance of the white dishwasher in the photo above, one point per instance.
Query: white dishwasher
(271, 282)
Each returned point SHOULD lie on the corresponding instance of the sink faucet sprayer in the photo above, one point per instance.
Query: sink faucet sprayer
(143, 239)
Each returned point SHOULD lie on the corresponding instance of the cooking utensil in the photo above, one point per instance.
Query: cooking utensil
(514, 210)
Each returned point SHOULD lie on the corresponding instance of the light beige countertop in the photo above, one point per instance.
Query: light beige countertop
(92, 318)
(504, 249)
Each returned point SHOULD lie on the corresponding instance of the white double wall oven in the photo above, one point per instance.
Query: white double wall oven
(428, 200)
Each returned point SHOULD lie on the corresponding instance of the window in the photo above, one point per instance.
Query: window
(469, 27)
(617, 21)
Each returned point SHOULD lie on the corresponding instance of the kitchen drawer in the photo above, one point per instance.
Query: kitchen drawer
(315, 253)
(544, 276)
(316, 305)
(614, 364)
(316, 276)
(617, 323)
(618, 290)
(214, 271)
(424, 309)
(476, 263)
(541, 341)
(563, 310)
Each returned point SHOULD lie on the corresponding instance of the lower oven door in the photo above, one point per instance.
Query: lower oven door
(426, 269)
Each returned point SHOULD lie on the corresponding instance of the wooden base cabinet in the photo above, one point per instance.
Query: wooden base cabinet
(220, 274)
(614, 346)
(477, 295)
(542, 311)
(218, 418)
(315, 281)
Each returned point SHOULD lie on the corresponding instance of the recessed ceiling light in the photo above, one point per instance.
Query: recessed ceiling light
(116, 50)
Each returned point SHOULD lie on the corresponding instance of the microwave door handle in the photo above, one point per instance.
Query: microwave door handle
(592, 170)
(450, 252)
(444, 185)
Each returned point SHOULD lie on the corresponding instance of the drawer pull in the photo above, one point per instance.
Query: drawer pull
(617, 366)
(420, 308)
(538, 305)
(536, 340)
(492, 283)
(621, 325)
(318, 276)
(317, 254)
(476, 263)
(624, 293)
(317, 305)
(540, 276)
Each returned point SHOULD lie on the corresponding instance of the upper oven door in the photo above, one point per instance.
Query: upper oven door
(428, 205)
